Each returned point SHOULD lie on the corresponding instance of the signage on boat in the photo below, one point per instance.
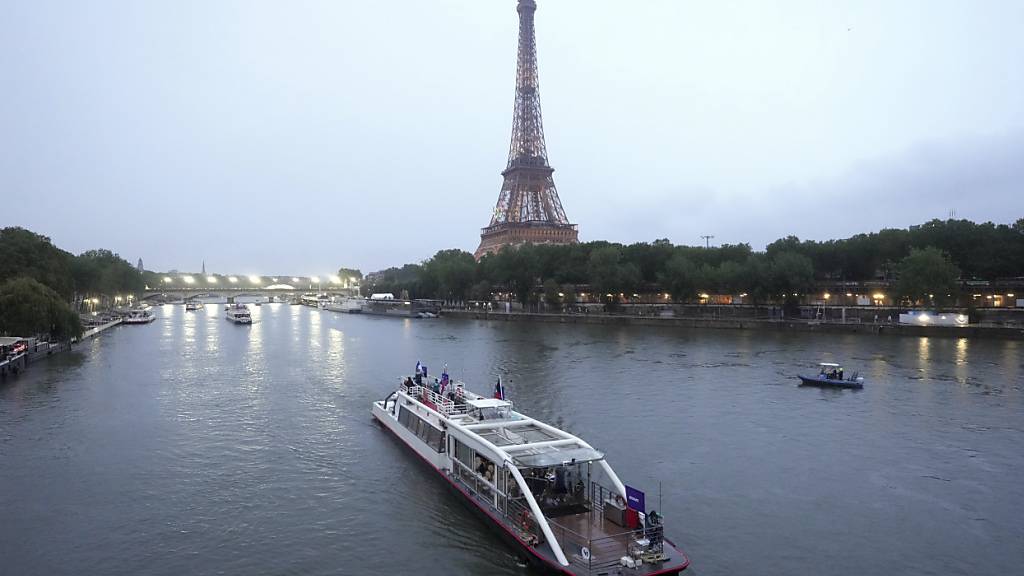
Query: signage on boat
(635, 499)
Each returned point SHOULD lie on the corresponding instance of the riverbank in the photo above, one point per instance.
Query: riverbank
(41, 350)
(972, 331)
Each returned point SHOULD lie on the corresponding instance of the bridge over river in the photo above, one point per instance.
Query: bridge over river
(182, 286)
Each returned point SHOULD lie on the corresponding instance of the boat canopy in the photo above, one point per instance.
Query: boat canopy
(829, 364)
(557, 456)
(488, 403)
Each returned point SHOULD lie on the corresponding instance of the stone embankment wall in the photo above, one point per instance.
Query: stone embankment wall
(748, 324)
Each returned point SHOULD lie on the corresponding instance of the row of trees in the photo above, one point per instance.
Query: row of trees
(39, 280)
(981, 251)
(926, 270)
(25, 254)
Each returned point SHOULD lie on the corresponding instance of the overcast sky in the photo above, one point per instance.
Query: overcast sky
(296, 137)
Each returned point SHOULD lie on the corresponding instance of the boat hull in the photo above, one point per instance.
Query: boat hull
(828, 383)
(536, 559)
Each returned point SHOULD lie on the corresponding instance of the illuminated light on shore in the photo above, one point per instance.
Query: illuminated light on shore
(848, 295)
(827, 295)
(335, 279)
(878, 296)
(168, 279)
(211, 279)
(255, 279)
(233, 279)
(314, 279)
(294, 279)
(188, 279)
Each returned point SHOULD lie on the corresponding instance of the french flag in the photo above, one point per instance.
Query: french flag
(499, 390)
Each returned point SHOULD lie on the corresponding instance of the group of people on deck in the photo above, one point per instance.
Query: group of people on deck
(421, 376)
(833, 374)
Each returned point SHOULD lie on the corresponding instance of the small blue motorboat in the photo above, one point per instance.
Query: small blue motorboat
(831, 375)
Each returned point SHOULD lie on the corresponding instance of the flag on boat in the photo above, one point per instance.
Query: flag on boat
(444, 378)
(499, 390)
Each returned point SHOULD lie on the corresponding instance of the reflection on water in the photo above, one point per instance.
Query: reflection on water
(251, 447)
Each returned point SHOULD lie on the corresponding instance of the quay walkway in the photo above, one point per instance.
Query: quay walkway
(969, 331)
(41, 350)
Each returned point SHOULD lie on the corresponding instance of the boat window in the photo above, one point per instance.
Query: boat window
(422, 429)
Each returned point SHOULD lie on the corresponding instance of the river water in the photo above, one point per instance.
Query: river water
(195, 446)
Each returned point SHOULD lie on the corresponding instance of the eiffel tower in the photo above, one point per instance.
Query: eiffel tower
(528, 208)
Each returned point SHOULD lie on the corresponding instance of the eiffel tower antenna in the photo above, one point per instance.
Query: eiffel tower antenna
(528, 208)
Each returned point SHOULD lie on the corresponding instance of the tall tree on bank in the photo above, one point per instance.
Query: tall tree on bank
(102, 272)
(30, 255)
(926, 275)
(449, 274)
(29, 308)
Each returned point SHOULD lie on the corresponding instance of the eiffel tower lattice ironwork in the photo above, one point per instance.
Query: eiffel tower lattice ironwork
(528, 208)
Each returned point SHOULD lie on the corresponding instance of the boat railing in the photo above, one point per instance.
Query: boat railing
(440, 402)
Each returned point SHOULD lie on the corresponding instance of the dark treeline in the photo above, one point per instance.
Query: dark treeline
(928, 259)
(38, 281)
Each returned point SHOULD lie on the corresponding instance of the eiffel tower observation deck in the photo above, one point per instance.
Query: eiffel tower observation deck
(528, 208)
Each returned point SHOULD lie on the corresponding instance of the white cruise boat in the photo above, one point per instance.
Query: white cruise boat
(238, 313)
(347, 305)
(138, 316)
(547, 492)
(193, 305)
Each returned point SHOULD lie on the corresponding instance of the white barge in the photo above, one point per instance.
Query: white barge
(545, 491)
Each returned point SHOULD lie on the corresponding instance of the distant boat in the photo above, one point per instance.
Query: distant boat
(193, 305)
(138, 316)
(348, 305)
(238, 313)
(831, 375)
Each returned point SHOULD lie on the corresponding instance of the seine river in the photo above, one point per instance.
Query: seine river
(194, 446)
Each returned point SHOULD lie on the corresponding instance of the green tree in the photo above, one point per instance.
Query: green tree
(790, 274)
(451, 274)
(27, 254)
(680, 277)
(604, 273)
(29, 308)
(924, 272)
(102, 272)
(516, 268)
(350, 275)
(552, 293)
